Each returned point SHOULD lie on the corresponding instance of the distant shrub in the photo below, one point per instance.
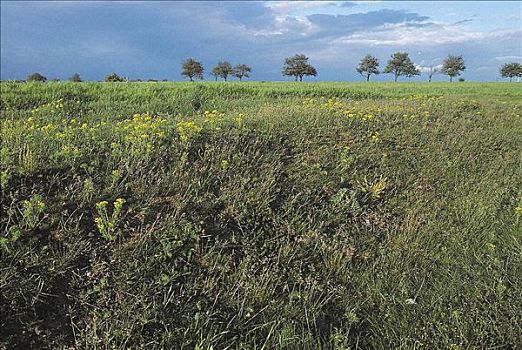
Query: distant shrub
(113, 77)
(36, 77)
(75, 78)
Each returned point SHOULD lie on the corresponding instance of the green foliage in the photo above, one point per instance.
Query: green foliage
(36, 77)
(113, 77)
(76, 78)
(242, 71)
(191, 69)
(297, 66)
(400, 64)
(511, 70)
(32, 212)
(108, 224)
(273, 215)
(25, 219)
(369, 65)
(223, 69)
(452, 66)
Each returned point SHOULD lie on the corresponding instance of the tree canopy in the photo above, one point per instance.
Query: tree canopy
(36, 77)
(191, 69)
(113, 77)
(511, 70)
(215, 72)
(400, 64)
(297, 66)
(75, 78)
(452, 66)
(369, 65)
(242, 71)
(223, 69)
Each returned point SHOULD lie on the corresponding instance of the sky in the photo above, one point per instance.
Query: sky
(150, 40)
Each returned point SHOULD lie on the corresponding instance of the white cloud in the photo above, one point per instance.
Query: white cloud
(295, 24)
(428, 38)
(430, 35)
(514, 17)
(505, 58)
(291, 7)
(427, 69)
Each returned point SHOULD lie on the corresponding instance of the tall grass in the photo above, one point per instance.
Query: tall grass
(267, 215)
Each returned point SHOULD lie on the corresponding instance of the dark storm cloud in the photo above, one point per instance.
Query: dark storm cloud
(151, 39)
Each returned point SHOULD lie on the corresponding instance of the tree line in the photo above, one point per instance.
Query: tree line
(192, 68)
(400, 64)
(298, 67)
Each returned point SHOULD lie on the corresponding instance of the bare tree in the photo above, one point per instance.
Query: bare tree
(432, 70)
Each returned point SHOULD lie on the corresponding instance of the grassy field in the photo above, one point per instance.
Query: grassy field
(261, 216)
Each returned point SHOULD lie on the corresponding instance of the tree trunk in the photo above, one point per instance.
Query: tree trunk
(510, 79)
(296, 78)
(396, 76)
(368, 77)
(192, 80)
(225, 77)
(451, 79)
(300, 78)
(240, 78)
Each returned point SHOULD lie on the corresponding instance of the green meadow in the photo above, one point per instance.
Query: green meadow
(261, 215)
